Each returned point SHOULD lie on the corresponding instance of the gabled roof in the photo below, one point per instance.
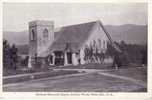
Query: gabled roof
(73, 36)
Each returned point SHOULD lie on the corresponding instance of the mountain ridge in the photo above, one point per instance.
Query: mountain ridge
(130, 33)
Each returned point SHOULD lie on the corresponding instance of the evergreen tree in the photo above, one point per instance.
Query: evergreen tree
(14, 56)
(6, 55)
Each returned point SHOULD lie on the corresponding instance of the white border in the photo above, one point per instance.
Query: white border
(115, 95)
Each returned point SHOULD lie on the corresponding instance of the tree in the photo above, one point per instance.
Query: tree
(144, 55)
(14, 56)
(6, 55)
(119, 58)
(110, 50)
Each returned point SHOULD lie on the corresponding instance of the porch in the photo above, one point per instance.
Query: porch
(63, 58)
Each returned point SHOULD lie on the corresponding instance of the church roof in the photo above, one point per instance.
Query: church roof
(72, 37)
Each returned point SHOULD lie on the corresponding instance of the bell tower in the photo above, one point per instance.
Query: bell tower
(41, 35)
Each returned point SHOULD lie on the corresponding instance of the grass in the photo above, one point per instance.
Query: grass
(8, 72)
(88, 66)
(37, 76)
(97, 66)
(92, 82)
(136, 73)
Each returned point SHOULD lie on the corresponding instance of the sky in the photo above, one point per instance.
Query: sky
(17, 15)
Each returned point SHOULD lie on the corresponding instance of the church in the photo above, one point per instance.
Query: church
(68, 45)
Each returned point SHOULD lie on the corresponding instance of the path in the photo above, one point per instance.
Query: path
(87, 80)
(85, 72)
(105, 73)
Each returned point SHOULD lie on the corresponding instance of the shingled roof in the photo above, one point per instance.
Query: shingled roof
(71, 37)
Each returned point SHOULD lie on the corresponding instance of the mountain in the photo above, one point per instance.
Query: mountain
(18, 38)
(135, 34)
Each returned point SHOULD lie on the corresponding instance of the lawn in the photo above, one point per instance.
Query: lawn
(8, 72)
(31, 76)
(87, 82)
(97, 66)
(92, 82)
(136, 73)
(87, 66)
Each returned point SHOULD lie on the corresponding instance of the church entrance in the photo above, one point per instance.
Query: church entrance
(59, 58)
(69, 57)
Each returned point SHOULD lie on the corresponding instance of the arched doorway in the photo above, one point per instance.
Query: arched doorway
(69, 57)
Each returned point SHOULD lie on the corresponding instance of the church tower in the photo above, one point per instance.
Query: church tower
(41, 36)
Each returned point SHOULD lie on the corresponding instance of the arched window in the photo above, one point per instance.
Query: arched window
(104, 44)
(45, 33)
(100, 44)
(32, 34)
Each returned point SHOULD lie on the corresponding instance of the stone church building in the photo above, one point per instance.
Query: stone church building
(67, 45)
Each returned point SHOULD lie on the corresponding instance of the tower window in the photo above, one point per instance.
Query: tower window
(32, 34)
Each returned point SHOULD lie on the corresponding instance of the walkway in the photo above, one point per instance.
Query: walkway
(105, 73)
(88, 80)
